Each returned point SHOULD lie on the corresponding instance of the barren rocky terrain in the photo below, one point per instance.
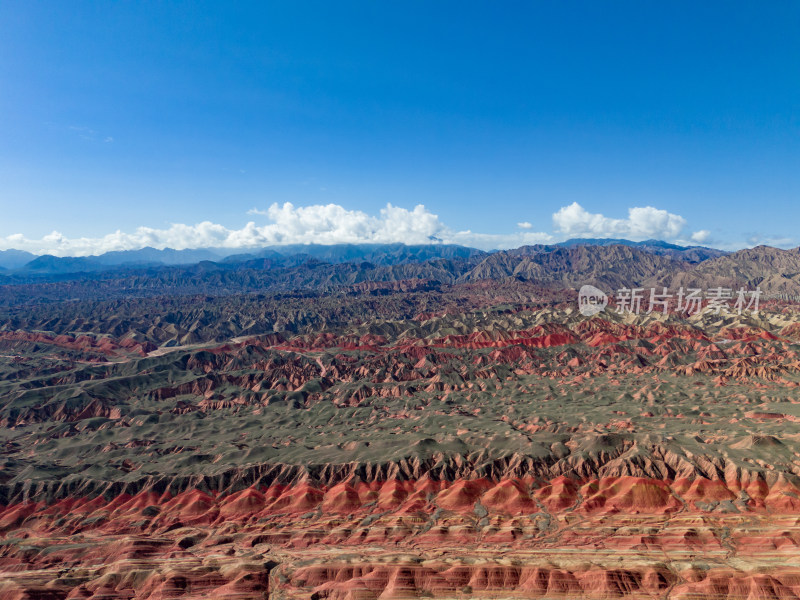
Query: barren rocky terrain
(401, 435)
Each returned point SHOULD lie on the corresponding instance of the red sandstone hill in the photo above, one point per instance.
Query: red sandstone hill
(378, 436)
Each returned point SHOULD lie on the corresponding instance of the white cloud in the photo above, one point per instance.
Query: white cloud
(701, 236)
(642, 223)
(334, 224)
(499, 241)
(769, 240)
(320, 224)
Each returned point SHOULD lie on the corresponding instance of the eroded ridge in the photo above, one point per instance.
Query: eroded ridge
(488, 448)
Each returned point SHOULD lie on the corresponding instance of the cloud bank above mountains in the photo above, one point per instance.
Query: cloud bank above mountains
(334, 224)
(642, 223)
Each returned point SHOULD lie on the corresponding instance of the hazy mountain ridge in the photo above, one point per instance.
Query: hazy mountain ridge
(385, 254)
(19, 260)
(689, 253)
(50, 279)
(14, 259)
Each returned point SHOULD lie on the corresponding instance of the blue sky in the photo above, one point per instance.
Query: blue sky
(125, 124)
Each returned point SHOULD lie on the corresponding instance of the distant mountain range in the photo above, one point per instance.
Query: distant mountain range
(19, 260)
(25, 263)
(319, 269)
(301, 269)
(688, 253)
(14, 259)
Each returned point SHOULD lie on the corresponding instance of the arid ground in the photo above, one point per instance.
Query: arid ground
(434, 429)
